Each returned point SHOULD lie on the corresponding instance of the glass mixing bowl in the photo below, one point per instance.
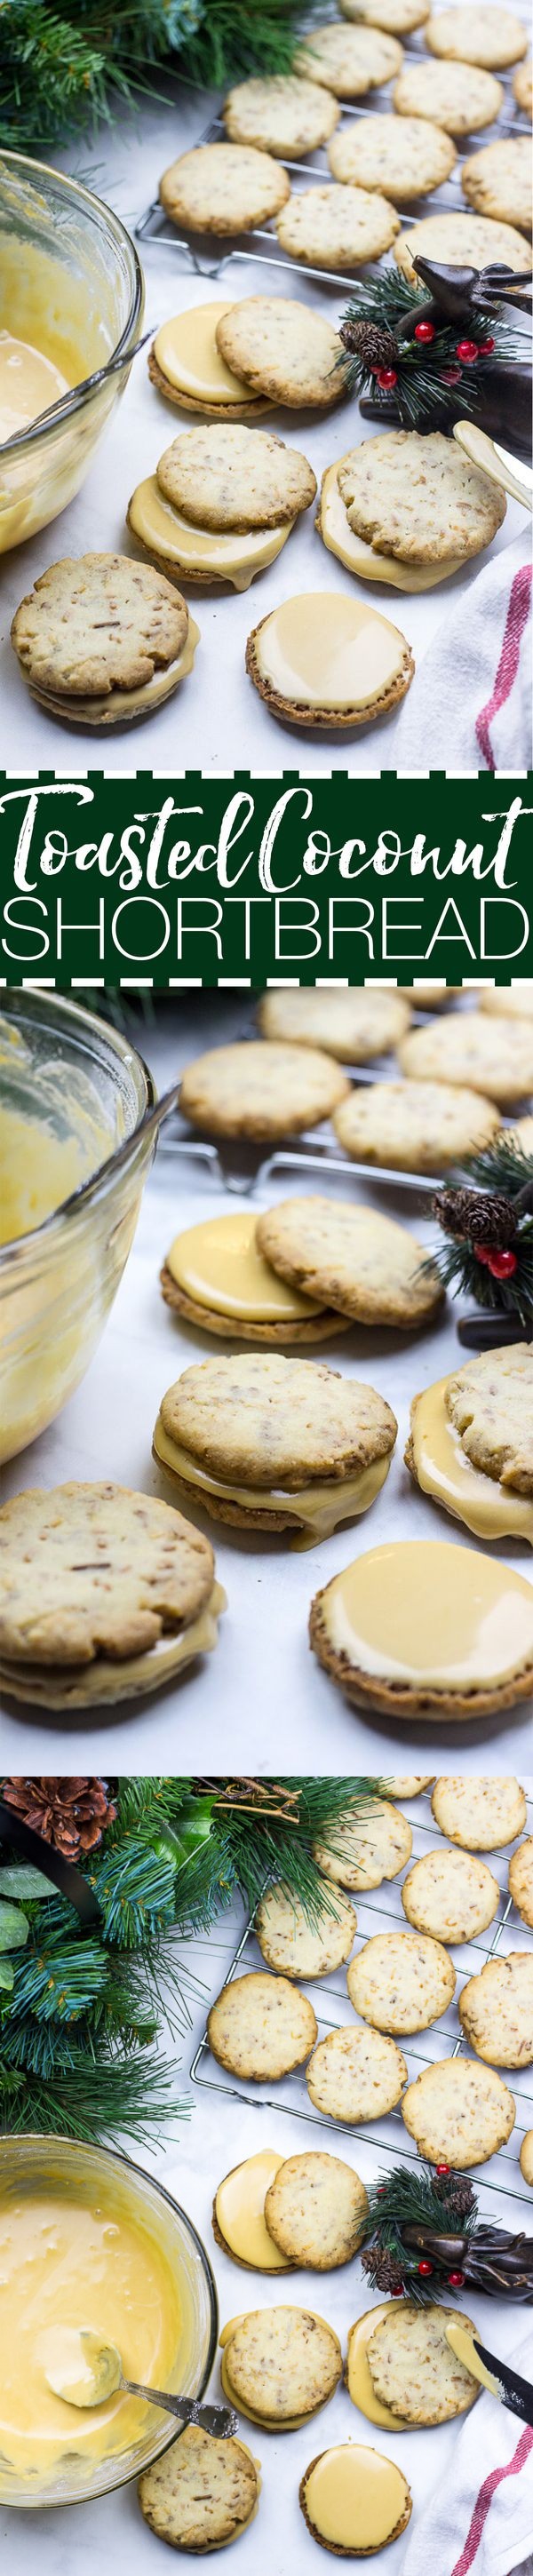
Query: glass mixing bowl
(72, 285)
(78, 1079)
(31, 2163)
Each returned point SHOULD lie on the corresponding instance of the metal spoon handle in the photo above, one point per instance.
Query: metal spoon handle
(213, 2419)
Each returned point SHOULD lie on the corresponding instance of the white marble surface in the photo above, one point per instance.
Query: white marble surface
(110, 2533)
(261, 1700)
(216, 722)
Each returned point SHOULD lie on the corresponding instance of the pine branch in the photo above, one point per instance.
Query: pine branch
(236, 37)
(96, 2099)
(64, 69)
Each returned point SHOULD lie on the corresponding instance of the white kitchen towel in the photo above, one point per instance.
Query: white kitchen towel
(469, 707)
(479, 2521)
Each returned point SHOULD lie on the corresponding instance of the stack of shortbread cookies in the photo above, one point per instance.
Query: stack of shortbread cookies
(221, 504)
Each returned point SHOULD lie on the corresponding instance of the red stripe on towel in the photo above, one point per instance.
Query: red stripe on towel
(484, 2500)
(516, 620)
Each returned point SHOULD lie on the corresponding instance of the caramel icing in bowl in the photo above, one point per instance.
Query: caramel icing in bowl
(83, 2227)
(72, 293)
(73, 1161)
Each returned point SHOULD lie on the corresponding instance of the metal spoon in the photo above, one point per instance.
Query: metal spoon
(68, 402)
(102, 2374)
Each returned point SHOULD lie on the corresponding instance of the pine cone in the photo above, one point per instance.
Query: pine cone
(375, 346)
(69, 1814)
(456, 2192)
(477, 1216)
(385, 2273)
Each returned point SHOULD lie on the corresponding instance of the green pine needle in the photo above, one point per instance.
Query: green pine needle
(98, 2098)
(64, 69)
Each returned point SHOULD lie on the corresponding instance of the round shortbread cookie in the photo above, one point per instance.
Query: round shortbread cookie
(418, 498)
(405, 160)
(490, 37)
(460, 241)
(216, 1277)
(507, 1001)
(298, 1947)
(496, 2010)
(480, 1813)
(357, 2493)
(337, 227)
(321, 659)
(497, 181)
(351, 1025)
(430, 997)
(203, 2492)
(222, 188)
(409, 1784)
(89, 1571)
(261, 2026)
(96, 624)
(523, 87)
(283, 2362)
(490, 1402)
(283, 115)
(521, 1880)
(419, 1629)
(455, 95)
(494, 1057)
(451, 1895)
(238, 2214)
(349, 60)
(396, 17)
(261, 1091)
(459, 2112)
(376, 1272)
(521, 1135)
(417, 1127)
(231, 477)
(413, 2368)
(316, 2211)
(526, 2157)
(360, 1851)
(401, 1982)
(271, 1422)
(285, 351)
(356, 2075)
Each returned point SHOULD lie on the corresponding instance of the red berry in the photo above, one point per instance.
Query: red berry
(456, 2280)
(425, 2269)
(468, 350)
(451, 375)
(386, 377)
(481, 1253)
(502, 1264)
(399, 2292)
(442, 2169)
(486, 348)
(424, 331)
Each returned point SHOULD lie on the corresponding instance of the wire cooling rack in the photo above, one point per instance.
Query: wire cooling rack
(210, 260)
(381, 1911)
(242, 1168)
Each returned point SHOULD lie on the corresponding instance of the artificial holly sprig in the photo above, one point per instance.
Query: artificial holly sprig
(426, 2241)
(425, 2199)
(488, 1225)
(421, 362)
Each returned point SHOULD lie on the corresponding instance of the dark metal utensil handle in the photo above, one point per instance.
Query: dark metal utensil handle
(213, 2419)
